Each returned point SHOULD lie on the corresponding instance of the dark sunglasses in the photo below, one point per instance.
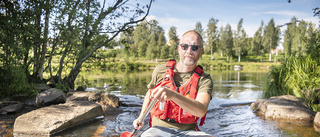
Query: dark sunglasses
(193, 47)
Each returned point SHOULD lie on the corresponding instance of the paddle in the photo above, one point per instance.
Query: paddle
(144, 115)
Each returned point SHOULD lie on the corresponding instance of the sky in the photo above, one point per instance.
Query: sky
(184, 14)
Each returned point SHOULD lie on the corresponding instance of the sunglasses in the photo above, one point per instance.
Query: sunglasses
(193, 47)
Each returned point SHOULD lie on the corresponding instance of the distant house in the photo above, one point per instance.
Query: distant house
(118, 47)
(104, 48)
(275, 51)
(171, 42)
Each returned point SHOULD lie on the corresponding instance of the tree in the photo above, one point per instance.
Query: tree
(288, 36)
(72, 33)
(312, 39)
(162, 46)
(257, 48)
(220, 46)
(239, 40)
(271, 37)
(199, 28)
(173, 42)
(299, 40)
(227, 41)
(212, 36)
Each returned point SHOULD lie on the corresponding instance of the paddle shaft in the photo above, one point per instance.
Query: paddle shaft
(145, 113)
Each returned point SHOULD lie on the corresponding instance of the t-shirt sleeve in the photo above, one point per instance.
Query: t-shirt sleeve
(206, 84)
(157, 75)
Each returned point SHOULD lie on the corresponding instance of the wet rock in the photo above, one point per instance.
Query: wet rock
(317, 122)
(130, 101)
(56, 118)
(7, 106)
(50, 97)
(284, 107)
(105, 100)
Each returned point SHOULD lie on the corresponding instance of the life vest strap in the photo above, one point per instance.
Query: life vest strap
(171, 63)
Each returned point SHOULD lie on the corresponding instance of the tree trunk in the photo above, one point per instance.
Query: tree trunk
(270, 56)
(211, 54)
(37, 40)
(239, 58)
(44, 45)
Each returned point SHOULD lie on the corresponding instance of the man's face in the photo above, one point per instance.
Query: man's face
(187, 54)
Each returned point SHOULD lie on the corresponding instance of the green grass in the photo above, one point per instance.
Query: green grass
(298, 76)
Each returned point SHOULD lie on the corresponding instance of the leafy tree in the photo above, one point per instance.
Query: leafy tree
(163, 47)
(70, 27)
(299, 43)
(271, 37)
(288, 36)
(152, 46)
(199, 28)
(227, 41)
(239, 40)
(173, 34)
(212, 36)
(313, 37)
(220, 46)
(257, 48)
(173, 53)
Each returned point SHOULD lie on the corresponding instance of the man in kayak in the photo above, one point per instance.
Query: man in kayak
(183, 92)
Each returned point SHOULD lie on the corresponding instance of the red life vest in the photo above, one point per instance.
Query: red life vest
(170, 111)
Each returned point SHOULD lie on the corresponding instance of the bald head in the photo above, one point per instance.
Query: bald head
(193, 33)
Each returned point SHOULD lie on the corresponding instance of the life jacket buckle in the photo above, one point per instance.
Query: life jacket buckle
(170, 120)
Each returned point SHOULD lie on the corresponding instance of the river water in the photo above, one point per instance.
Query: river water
(224, 118)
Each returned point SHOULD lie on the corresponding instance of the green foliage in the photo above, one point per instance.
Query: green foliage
(14, 82)
(62, 86)
(298, 76)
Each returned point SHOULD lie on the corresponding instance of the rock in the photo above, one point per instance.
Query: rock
(56, 118)
(105, 100)
(10, 106)
(286, 107)
(317, 122)
(50, 97)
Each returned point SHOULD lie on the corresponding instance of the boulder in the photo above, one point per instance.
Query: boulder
(317, 122)
(55, 118)
(50, 97)
(7, 106)
(286, 107)
(109, 102)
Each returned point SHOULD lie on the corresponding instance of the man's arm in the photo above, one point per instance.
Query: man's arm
(137, 123)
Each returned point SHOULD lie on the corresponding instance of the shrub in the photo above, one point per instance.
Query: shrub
(14, 82)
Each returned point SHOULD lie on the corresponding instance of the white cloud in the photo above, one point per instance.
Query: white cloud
(182, 25)
(285, 13)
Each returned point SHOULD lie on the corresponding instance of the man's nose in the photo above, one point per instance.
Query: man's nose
(189, 50)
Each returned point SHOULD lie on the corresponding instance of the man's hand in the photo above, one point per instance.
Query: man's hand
(137, 125)
(162, 94)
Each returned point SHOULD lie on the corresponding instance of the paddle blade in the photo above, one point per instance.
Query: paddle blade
(126, 134)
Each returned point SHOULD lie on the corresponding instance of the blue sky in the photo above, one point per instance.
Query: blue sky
(183, 14)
